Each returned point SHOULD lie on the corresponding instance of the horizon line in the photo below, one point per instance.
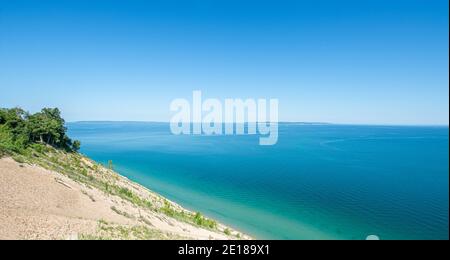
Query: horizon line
(281, 122)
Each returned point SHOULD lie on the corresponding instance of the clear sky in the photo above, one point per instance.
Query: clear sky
(366, 62)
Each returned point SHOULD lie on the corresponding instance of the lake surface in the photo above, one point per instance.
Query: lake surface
(318, 182)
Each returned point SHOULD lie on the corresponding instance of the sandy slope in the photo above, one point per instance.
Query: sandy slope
(40, 204)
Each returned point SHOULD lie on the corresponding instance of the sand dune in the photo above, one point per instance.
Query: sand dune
(36, 203)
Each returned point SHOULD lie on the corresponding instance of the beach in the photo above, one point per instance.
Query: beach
(36, 203)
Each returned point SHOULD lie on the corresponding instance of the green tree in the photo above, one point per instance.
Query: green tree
(13, 118)
(19, 129)
(13, 127)
(76, 146)
(48, 127)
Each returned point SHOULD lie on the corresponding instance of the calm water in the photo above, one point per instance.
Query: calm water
(319, 181)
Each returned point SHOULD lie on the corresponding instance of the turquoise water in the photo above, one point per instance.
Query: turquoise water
(318, 182)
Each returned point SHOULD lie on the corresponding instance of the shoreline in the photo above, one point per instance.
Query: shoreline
(40, 203)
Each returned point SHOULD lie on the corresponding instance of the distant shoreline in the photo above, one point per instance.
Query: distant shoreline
(280, 123)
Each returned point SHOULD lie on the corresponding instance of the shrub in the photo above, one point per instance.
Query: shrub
(18, 159)
(76, 145)
(201, 221)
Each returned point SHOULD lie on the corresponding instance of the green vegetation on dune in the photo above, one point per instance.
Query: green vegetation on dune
(41, 139)
(109, 231)
(196, 219)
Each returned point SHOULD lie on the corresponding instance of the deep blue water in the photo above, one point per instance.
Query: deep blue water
(318, 182)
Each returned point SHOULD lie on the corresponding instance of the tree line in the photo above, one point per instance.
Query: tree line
(18, 129)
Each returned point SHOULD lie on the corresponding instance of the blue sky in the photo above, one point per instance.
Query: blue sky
(365, 62)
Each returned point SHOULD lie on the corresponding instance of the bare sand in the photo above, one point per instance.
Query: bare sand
(36, 203)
